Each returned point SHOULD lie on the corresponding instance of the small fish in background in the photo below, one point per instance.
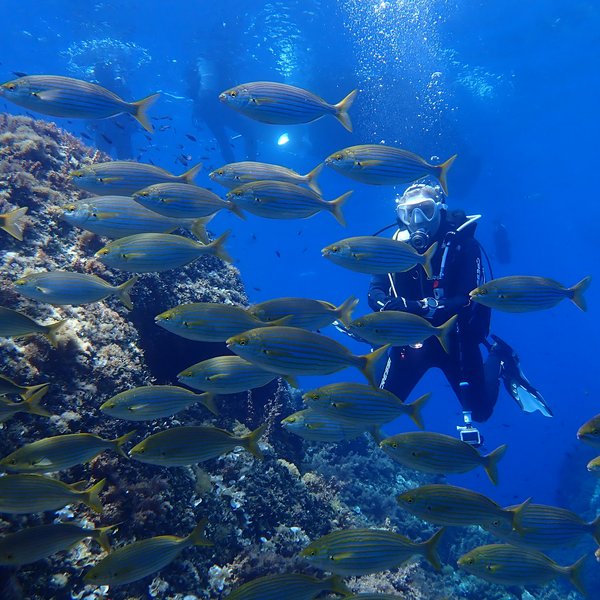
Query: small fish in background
(282, 104)
(13, 222)
(59, 96)
(509, 565)
(143, 557)
(106, 139)
(589, 432)
(85, 136)
(163, 118)
(30, 405)
(15, 324)
(190, 137)
(315, 427)
(523, 293)
(9, 388)
(164, 127)
(376, 164)
(502, 247)
(277, 254)
(594, 466)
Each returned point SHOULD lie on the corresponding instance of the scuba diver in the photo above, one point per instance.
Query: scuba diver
(423, 218)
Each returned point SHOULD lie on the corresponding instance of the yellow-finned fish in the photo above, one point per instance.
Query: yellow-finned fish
(184, 446)
(509, 565)
(400, 328)
(304, 312)
(589, 432)
(157, 252)
(294, 351)
(377, 164)
(523, 293)
(144, 557)
(378, 256)
(154, 402)
(61, 452)
(594, 466)
(315, 427)
(13, 222)
(35, 543)
(16, 324)
(31, 405)
(288, 586)
(354, 552)
(438, 453)
(28, 493)
(283, 104)
(64, 287)
(235, 174)
(70, 98)
(8, 388)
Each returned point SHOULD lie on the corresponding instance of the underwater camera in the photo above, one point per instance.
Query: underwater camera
(467, 432)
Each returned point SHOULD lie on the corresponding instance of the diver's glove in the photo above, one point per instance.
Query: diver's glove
(416, 307)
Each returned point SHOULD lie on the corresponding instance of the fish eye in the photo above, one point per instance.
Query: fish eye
(338, 157)
(335, 248)
(488, 567)
(233, 93)
(242, 341)
(94, 214)
(220, 172)
(124, 256)
(409, 500)
(13, 461)
(394, 444)
(185, 323)
(414, 453)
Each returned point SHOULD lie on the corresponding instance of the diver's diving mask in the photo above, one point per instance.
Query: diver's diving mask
(421, 215)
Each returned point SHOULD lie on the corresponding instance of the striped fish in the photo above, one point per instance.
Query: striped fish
(154, 402)
(304, 312)
(61, 452)
(378, 256)
(400, 328)
(36, 543)
(70, 98)
(184, 446)
(522, 293)
(183, 201)
(316, 427)
(377, 164)
(31, 405)
(295, 351)
(208, 321)
(594, 466)
(438, 453)
(144, 557)
(63, 287)
(13, 222)
(25, 493)
(9, 388)
(358, 403)
(156, 252)
(125, 177)
(120, 216)
(589, 432)
(283, 104)
(509, 565)
(225, 375)
(545, 527)
(235, 174)
(444, 504)
(282, 200)
(373, 597)
(16, 324)
(291, 586)
(362, 551)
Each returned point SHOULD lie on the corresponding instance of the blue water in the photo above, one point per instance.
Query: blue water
(511, 86)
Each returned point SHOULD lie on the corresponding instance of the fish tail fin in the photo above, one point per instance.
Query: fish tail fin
(12, 222)
(208, 399)
(415, 409)
(190, 174)
(236, 210)
(311, 178)
(336, 208)
(32, 389)
(197, 537)
(444, 331)
(577, 290)
(121, 441)
(595, 529)
(53, 329)
(123, 292)
(344, 311)
(369, 363)
(341, 110)
(101, 536)
(517, 520)
(91, 497)
(575, 575)
(336, 585)
(140, 110)
(33, 403)
(443, 172)
(491, 463)
(251, 441)
(428, 256)
(198, 229)
(430, 549)
(218, 247)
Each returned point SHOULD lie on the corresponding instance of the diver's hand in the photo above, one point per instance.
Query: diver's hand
(402, 304)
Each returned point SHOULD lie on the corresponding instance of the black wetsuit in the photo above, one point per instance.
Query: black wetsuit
(464, 363)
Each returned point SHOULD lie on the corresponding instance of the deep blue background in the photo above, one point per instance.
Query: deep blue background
(511, 86)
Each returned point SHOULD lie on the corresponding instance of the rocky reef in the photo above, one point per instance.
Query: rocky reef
(260, 513)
